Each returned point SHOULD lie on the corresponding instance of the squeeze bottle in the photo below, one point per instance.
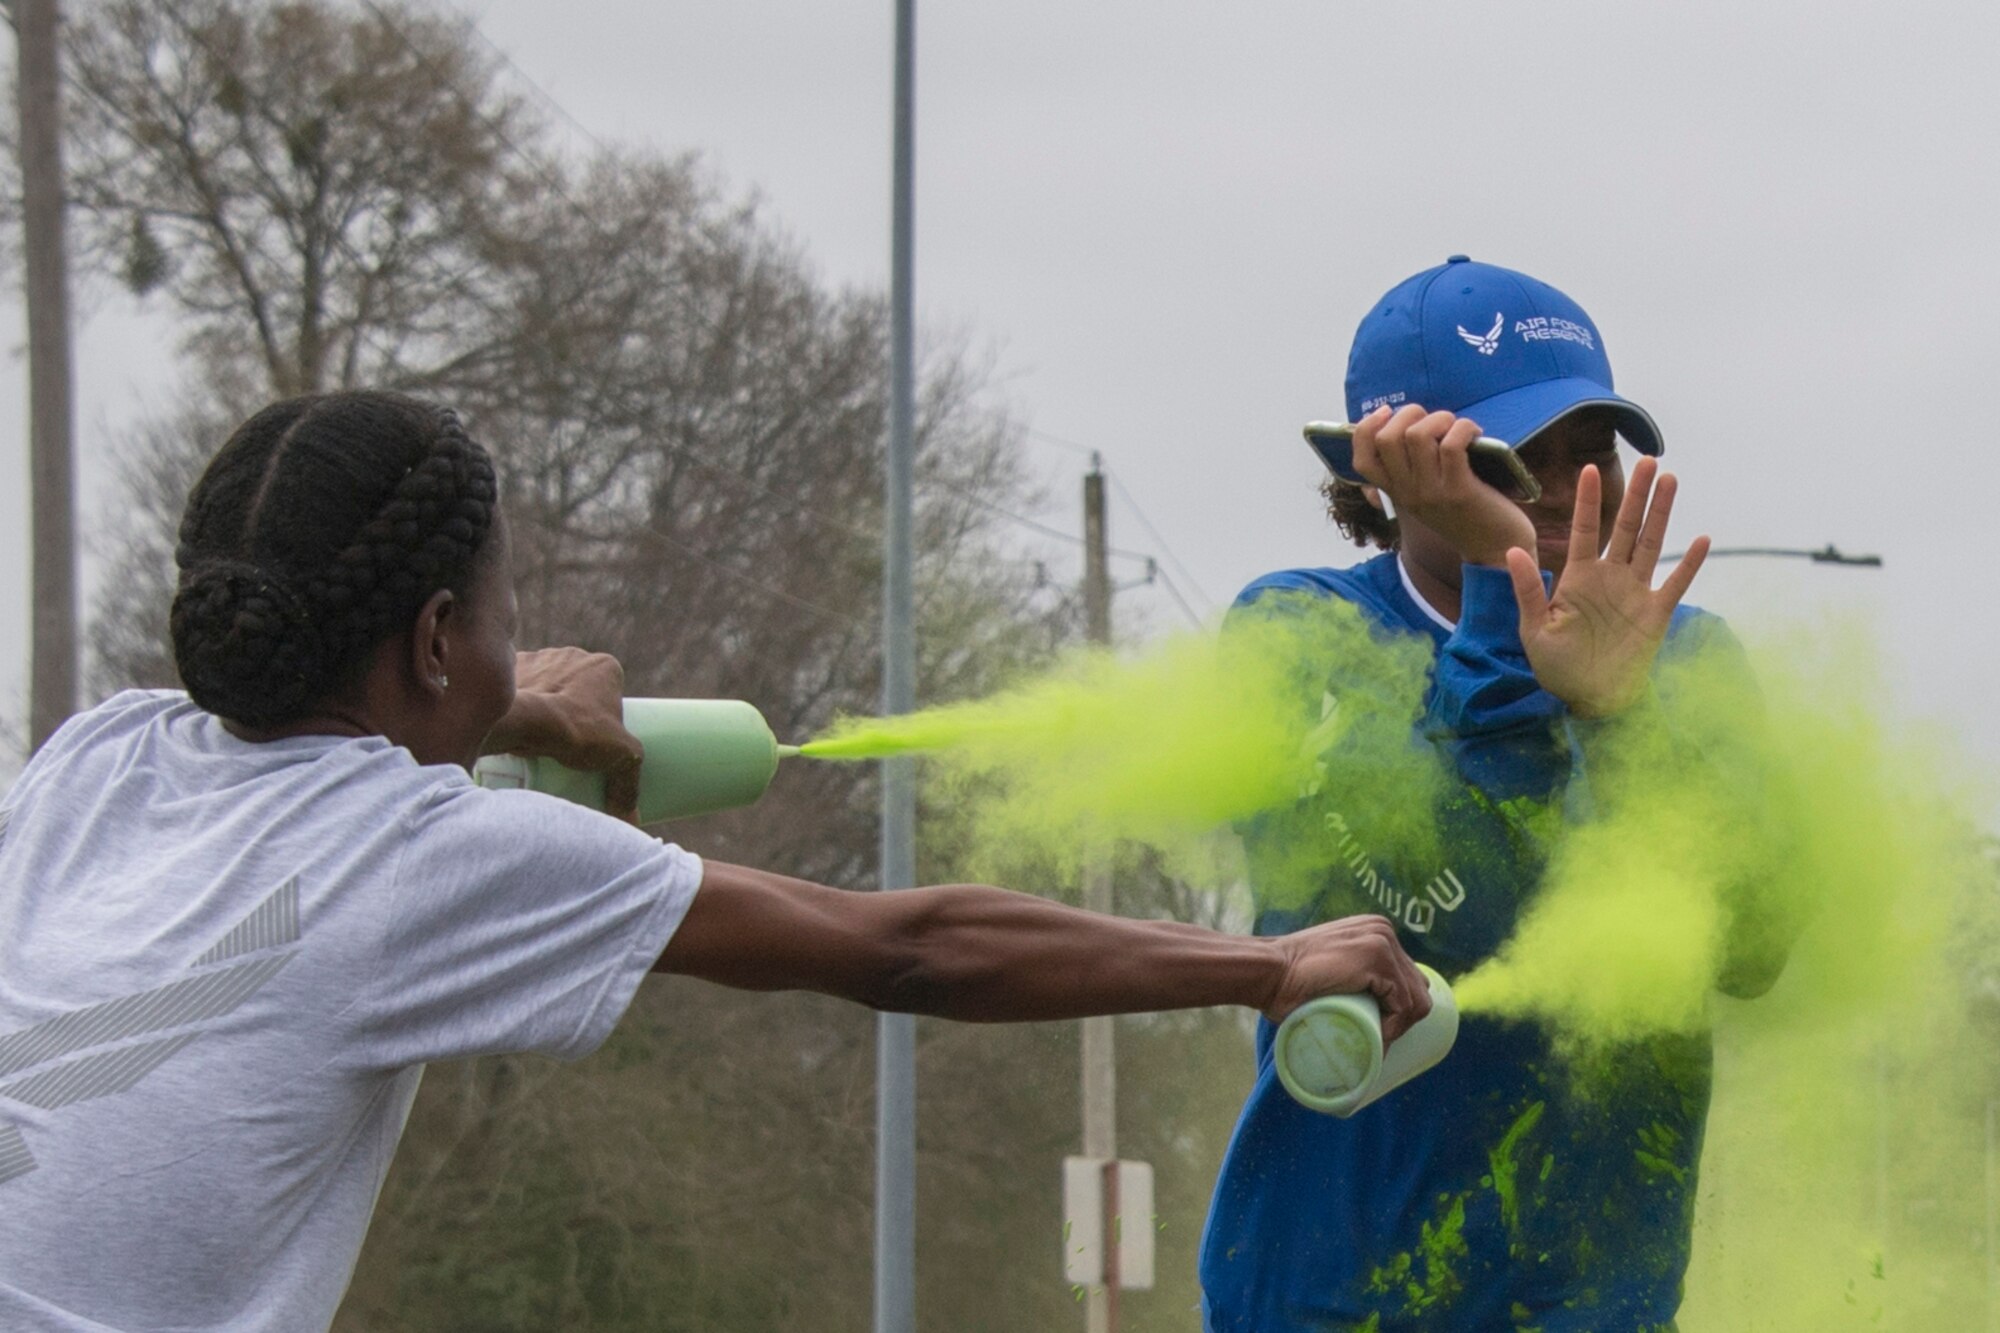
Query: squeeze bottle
(1329, 1055)
(702, 755)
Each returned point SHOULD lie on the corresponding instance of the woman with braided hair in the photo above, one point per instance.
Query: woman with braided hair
(236, 923)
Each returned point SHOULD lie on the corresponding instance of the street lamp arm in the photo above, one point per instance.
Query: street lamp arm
(1825, 555)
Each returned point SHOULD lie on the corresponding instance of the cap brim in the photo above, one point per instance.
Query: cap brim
(1516, 415)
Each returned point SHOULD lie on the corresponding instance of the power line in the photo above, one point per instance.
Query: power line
(1075, 447)
(1193, 619)
(196, 35)
(553, 104)
(1033, 524)
(1161, 541)
(553, 178)
(547, 98)
(560, 186)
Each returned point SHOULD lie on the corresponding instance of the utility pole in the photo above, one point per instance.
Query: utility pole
(1100, 1058)
(896, 1034)
(52, 678)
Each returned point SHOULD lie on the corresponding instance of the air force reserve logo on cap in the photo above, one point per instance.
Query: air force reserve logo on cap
(1485, 342)
(1488, 342)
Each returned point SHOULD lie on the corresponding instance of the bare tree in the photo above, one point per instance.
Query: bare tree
(302, 184)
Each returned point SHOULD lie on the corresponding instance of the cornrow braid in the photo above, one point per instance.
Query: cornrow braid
(425, 537)
(318, 531)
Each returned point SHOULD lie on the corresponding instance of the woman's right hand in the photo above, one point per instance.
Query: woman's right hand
(1419, 460)
(569, 706)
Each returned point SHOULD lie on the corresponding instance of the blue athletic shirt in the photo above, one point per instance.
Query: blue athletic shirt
(1492, 1192)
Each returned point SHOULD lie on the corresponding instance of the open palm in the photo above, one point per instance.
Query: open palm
(1593, 642)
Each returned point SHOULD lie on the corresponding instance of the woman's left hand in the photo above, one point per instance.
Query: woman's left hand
(569, 706)
(1592, 644)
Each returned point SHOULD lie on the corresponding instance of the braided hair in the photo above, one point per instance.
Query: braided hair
(318, 531)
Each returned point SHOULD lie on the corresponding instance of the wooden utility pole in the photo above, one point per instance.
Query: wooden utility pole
(52, 679)
(1100, 1060)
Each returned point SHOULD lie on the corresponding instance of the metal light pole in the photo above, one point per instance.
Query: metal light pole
(896, 1034)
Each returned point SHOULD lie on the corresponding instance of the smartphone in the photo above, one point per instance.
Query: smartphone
(1493, 461)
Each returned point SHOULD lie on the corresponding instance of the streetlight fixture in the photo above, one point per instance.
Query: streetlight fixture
(1825, 555)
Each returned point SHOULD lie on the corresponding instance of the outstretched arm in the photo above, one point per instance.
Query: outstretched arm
(982, 954)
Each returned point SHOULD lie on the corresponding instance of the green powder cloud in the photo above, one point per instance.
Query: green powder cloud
(1788, 835)
(1165, 748)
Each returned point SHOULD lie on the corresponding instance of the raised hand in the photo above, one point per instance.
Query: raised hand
(1593, 643)
(1419, 460)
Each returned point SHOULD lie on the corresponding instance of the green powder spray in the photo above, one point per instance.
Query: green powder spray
(1164, 749)
(1784, 836)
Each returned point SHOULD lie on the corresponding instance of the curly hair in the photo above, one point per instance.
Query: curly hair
(1360, 522)
(318, 531)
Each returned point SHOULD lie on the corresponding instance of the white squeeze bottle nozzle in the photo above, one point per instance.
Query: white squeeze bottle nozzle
(702, 755)
(1329, 1055)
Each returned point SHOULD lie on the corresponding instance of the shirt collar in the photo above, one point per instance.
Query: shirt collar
(1437, 616)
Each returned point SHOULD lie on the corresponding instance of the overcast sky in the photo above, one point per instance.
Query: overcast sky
(1166, 219)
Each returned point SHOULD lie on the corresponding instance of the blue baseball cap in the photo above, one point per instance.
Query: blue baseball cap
(1488, 343)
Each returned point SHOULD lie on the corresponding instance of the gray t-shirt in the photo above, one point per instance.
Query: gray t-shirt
(222, 969)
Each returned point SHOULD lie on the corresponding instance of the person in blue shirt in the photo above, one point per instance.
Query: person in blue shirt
(1499, 1190)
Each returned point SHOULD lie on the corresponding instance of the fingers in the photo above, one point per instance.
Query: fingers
(574, 671)
(622, 757)
(1679, 581)
(1386, 972)
(1631, 512)
(1529, 595)
(1396, 449)
(1366, 452)
(1400, 991)
(621, 788)
(1583, 527)
(1454, 461)
(1425, 456)
(1404, 1004)
(1639, 534)
(1653, 536)
(1400, 451)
